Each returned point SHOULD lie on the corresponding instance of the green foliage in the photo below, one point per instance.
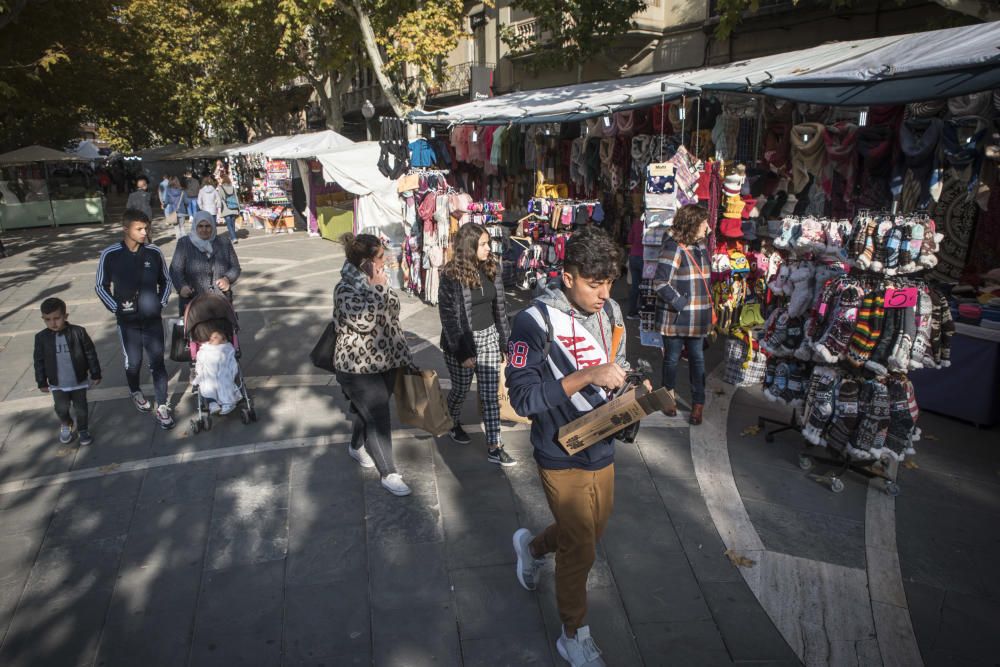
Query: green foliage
(570, 32)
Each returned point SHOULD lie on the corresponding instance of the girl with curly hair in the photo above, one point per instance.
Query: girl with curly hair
(474, 331)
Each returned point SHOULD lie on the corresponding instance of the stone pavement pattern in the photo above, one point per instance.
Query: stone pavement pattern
(266, 545)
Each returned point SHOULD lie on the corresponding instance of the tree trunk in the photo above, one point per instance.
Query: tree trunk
(375, 56)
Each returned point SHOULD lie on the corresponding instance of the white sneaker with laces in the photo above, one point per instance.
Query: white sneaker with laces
(580, 651)
(165, 417)
(527, 565)
(394, 484)
(361, 456)
(65, 434)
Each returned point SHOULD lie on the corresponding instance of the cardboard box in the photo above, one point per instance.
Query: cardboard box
(612, 417)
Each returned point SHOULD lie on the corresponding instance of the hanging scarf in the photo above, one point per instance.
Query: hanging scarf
(888, 115)
(918, 139)
(976, 104)
(203, 245)
(962, 145)
(925, 109)
(874, 144)
(841, 139)
(776, 144)
(778, 111)
(808, 154)
(625, 120)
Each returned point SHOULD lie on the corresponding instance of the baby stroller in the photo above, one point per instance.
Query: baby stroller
(206, 312)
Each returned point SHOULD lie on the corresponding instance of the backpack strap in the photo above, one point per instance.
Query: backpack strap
(543, 310)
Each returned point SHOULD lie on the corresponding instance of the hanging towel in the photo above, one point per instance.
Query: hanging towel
(808, 153)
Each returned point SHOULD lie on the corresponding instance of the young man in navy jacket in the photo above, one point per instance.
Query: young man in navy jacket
(560, 365)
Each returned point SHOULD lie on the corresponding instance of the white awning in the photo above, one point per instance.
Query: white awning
(355, 168)
(883, 70)
(306, 145)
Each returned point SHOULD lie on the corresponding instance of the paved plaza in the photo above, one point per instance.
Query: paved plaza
(265, 544)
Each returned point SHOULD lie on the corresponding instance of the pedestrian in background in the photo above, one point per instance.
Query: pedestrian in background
(474, 333)
(208, 200)
(191, 187)
(64, 358)
(140, 198)
(684, 307)
(176, 202)
(228, 205)
(370, 351)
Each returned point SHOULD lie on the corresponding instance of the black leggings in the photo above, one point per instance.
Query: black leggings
(147, 336)
(370, 395)
(78, 397)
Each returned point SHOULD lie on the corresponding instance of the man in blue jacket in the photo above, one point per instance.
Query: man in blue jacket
(133, 282)
(560, 365)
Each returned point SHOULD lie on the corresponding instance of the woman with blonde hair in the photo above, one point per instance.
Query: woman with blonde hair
(474, 333)
(684, 306)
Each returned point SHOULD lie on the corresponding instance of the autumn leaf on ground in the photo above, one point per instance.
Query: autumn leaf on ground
(910, 465)
(750, 430)
(64, 451)
(739, 560)
(111, 467)
(929, 436)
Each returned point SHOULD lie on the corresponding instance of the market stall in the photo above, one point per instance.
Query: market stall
(42, 187)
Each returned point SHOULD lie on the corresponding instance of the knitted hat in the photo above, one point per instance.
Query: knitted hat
(731, 228)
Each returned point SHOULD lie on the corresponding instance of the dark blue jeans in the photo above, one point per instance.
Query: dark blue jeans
(672, 346)
(231, 226)
(136, 338)
(635, 269)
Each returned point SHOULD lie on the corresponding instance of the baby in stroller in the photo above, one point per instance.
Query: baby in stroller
(216, 368)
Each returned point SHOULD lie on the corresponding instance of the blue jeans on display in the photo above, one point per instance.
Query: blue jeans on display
(231, 226)
(192, 207)
(672, 346)
(635, 269)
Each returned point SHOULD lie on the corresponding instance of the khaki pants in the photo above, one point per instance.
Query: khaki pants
(581, 502)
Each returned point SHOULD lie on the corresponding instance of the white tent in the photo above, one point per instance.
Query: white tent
(355, 168)
(306, 145)
(86, 150)
(883, 70)
(30, 154)
(257, 147)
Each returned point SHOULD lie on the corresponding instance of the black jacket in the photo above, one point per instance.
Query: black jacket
(81, 349)
(141, 278)
(455, 309)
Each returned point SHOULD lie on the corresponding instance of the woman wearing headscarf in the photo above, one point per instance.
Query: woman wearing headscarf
(203, 262)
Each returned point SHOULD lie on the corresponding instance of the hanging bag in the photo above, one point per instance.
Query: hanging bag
(322, 353)
(420, 402)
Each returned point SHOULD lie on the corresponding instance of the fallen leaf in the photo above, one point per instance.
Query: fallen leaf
(738, 560)
(911, 465)
(929, 436)
(64, 451)
(750, 430)
(110, 467)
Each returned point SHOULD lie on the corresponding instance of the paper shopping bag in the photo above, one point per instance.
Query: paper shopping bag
(420, 403)
(507, 412)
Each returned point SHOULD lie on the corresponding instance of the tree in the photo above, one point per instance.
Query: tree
(574, 31)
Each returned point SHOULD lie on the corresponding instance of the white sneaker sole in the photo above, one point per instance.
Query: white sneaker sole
(520, 558)
(397, 492)
(357, 457)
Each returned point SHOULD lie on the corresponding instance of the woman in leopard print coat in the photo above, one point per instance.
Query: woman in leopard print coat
(370, 348)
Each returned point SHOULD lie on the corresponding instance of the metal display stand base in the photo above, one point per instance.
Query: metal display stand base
(886, 469)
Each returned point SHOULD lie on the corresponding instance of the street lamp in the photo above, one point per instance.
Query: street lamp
(368, 111)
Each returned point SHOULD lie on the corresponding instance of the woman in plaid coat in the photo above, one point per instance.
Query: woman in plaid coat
(684, 306)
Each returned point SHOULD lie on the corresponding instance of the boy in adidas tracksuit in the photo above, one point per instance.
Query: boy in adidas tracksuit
(575, 376)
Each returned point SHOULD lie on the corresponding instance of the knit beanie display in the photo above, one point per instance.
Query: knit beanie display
(843, 426)
(922, 338)
(874, 423)
(868, 328)
(879, 360)
(900, 420)
(899, 357)
(834, 342)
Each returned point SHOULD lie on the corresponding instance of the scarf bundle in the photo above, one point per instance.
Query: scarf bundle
(808, 153)
(841, 142)
(976, 104)
(919, 139)
(625, 122)
(962, 145)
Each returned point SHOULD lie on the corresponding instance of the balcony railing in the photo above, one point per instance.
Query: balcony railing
(455, 80)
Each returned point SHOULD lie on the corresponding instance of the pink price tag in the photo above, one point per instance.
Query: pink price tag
(822, 309)
(901, 298)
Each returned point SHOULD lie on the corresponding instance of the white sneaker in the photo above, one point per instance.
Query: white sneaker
(165, 417)
(527, 565)
(65, 434)
(580, 651)
(361, 456)
(394, 484)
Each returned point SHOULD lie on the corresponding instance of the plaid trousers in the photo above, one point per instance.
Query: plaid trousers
(487, 370)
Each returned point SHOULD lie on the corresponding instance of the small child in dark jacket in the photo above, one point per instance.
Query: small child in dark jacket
(64, 357)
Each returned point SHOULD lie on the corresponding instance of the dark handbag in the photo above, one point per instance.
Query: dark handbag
(179, 348)
(322, 354)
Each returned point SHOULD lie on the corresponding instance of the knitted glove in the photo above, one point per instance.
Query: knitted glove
(929, 248)
(866, 255)
(868, 331)
(899, 358)
(914, 247)
(947, 331)
(879, 360)
(779, 283)
(789, 230)
(881, 246)
(819, 404)
(795, 392)
(874, 422)
(906, 263)
(793, 337)
(769, 367)
(922, 339)
(840, 435)
(776, 330)
(862, 229)
(812, 237)
(893, 246)
(780, 384)
(802, 292)
(835, 341)
(900, 420)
